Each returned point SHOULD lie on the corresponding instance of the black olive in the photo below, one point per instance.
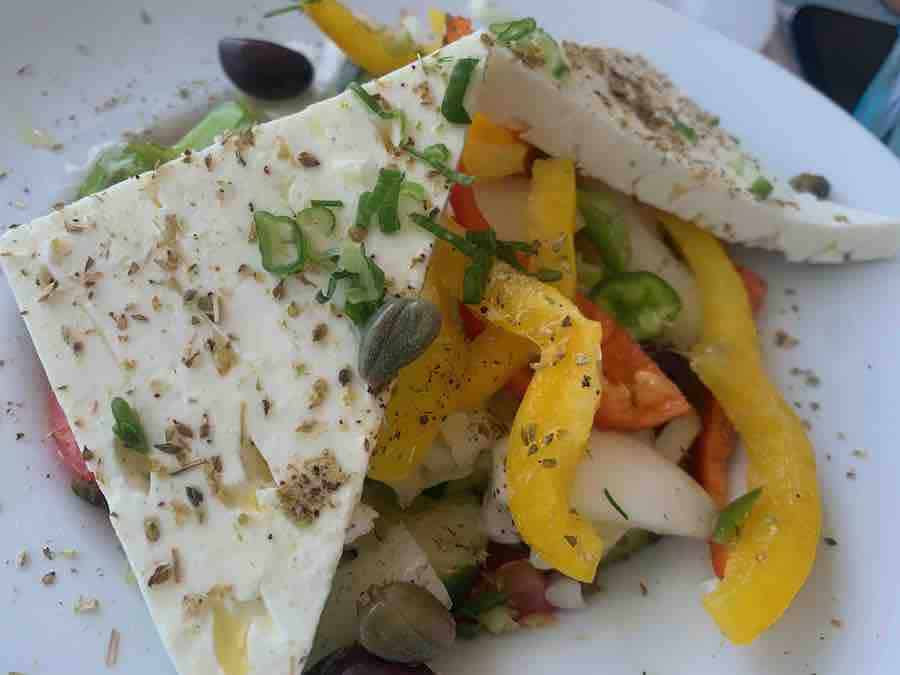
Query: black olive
(812, 183)
(265, 69)
(357, 661)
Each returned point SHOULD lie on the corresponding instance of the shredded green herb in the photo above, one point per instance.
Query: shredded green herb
(615, 504)
(373, 103)
(383, 201)
(732, 517)
(128, 428)
(761, 188)
(365, 287)
(327, 203)
(483, 248)
(296, 7)
(436, 156)
(452, 105)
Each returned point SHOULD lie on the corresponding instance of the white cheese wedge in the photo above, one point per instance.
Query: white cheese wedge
(627, 124)
(154, 291)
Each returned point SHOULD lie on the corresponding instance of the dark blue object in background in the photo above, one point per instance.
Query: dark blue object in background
(850, 51)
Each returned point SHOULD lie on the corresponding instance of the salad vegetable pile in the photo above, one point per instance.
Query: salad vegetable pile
(570, 386)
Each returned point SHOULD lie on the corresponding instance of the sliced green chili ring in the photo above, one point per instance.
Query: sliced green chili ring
(452, 105)
(327, 203)
(641, 301)
(732, 517)
(513, 31)
(414, 190)
(432, 156)
(317, 218)
(607, 229)
(268, 227)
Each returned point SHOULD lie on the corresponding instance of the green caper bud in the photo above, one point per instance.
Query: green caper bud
(404, 623)
(812, 183)
(396, 335)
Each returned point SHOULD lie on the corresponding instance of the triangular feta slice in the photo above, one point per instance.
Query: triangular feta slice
(627, 124)
(154, 291)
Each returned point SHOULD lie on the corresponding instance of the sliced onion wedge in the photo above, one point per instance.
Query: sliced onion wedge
(625, 482)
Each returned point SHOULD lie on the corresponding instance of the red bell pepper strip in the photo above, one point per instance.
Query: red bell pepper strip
(66, 447)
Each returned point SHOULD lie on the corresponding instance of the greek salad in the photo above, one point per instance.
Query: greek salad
(437, 422)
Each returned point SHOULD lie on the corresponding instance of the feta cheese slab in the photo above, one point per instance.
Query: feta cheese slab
(627, 124)
(154, 291)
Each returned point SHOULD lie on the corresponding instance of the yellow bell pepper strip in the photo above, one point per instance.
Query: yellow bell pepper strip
(492, 151)
(551, 428)
(494, 356)
(775, 551)
(551, 218)
(425, 390)
(437, 22)
(375, 49)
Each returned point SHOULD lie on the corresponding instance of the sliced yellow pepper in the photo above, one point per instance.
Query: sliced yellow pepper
(493, 358)
(776, 549)
(426, 389)
(437, 21)
(492, 151)
(374, 48)
(551, 429)
(551, 218)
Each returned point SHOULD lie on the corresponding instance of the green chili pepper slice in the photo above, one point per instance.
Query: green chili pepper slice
(641, 301)
(270, 234)
(607, 229)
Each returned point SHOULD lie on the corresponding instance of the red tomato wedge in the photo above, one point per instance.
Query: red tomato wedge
(457, 27)
(62, 435)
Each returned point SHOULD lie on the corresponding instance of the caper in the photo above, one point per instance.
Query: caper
(812, 183)
(395, 336)
(404, 623)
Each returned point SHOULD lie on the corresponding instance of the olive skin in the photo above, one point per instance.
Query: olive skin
(404, 623)
(264, 69)
(395, 336)
(355, 660)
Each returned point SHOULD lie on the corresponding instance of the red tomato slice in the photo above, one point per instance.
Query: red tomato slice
(66, 447)
(756, 286)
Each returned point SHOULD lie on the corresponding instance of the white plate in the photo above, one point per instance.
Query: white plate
(845, 318)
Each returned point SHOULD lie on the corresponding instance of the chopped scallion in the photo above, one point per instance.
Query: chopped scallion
(452, 106)
(327, 203)
(761, 188)
(512, 31)
(318, 218)
(270, 234)
(732, 517)
(128, 428)
(436, 156)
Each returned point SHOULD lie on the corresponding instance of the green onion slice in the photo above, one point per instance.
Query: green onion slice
(436, 156)
(318, 218)
(452, 105)
(275, 234)
(327, 203)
